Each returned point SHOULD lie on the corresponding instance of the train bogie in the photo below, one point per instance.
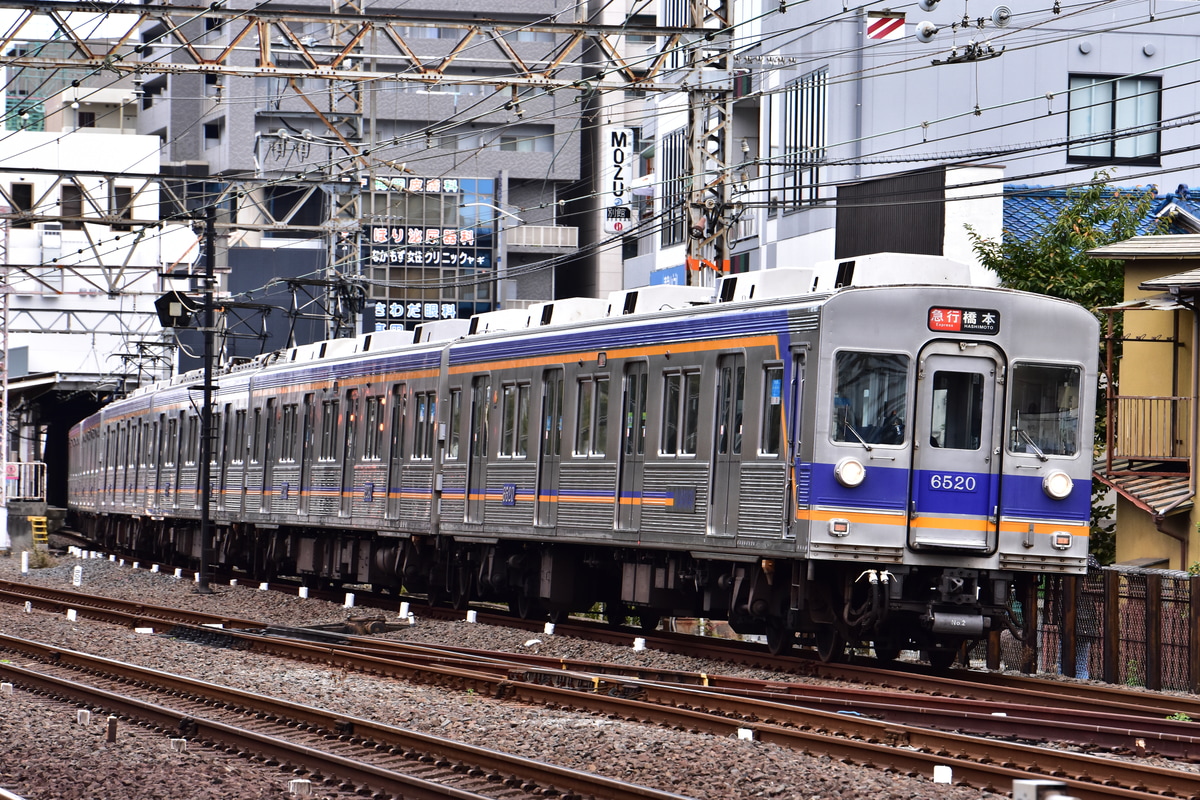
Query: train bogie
(869, 465)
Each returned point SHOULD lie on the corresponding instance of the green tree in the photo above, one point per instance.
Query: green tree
(1054, 262)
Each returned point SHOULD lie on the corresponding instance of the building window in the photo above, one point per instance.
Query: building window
(71, 209)
(120, 205)
(534, 36)
(1114, 119)
(677, 13)
(531, 139)
(21, 195)
(805, 136)
(85, 119)
(673, 163)
(212, 133)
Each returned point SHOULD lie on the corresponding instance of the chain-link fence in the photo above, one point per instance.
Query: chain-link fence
(1122, 625)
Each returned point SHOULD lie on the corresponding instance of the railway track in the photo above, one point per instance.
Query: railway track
(356, 754)
(799, 716)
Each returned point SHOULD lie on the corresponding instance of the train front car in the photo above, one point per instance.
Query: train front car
(950, 461)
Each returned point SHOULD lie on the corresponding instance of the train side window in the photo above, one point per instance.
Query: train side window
(454, 441)
(329, 417)
(290, 433)
(239, 436)
(870, 404)
(514, 440)
(373, 428)
(350, 434)
(191, 440)
(591, 422)
(172, 449)
(681, 412)
(600, 434)
(215, 430)
(552, 412)
(1043, 415)
(256, 442)
(399, 406)
(772, 411)
(583, 422)
(426, 424)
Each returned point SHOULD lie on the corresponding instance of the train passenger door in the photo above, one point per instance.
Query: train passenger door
(308, 415)
(270, 453)
(727, 460)
(633, 447)
(799, 475)
(349, 452)
(395, 492)
(550, 450)
(956, 439)
(477, 457)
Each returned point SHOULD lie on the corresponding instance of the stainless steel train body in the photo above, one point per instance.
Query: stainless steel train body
(868, 465)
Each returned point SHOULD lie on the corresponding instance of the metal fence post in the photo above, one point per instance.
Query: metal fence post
(1154, 654)
(1112, 626)
(1193, 653)
(1070, 629)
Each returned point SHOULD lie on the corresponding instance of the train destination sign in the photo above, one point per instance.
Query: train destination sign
(965, 320)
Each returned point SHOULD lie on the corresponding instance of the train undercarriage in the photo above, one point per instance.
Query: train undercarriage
(832, 606)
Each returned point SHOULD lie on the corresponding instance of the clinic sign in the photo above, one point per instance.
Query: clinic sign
(616, 194)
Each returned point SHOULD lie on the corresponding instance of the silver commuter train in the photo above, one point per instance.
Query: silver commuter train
(875, 464)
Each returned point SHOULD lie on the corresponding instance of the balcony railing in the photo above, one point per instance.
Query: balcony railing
(25, 480)
(1150, 428)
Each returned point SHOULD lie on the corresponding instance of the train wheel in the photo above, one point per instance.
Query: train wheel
(524, 606)
(831, 645)
(615, 613)
(461, 593)
(648, 620)
(886, 655)
(558, 615)
(780, 637)
(942, 658)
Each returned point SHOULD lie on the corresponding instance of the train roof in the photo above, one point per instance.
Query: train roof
(770, 287)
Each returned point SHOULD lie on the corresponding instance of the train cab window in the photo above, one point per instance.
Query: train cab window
(870, 402)
(957, 413)
(772, 410)
(591, 423)
(373, 429)
(1043, 416)
(454, 440)
(681, 412)
(514, 441)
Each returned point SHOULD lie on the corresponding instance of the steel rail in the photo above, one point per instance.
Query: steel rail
(375, 733)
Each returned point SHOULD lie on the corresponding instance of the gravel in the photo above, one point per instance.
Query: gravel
(47, 754)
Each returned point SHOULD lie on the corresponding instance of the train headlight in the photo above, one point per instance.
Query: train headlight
(850, 472)
(1057, 484)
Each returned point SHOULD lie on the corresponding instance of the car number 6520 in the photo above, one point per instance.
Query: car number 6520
(952, 483)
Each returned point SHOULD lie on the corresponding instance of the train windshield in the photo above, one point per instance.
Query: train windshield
(870, 403)
(1044, 410)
